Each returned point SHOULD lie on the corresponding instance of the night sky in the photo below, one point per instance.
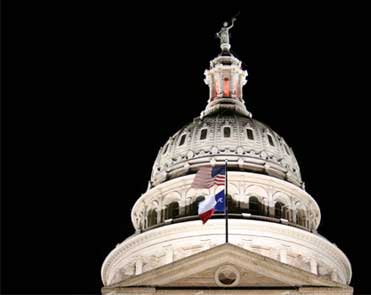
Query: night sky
(92, 91)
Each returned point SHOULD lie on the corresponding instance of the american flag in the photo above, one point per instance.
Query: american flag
(206, 177)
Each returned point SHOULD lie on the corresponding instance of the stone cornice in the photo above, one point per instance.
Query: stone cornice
(227, 253)
(297, 280)
(237, 228)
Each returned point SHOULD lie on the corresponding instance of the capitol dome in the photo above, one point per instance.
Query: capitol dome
(226, 131)
(246, 143)
(268, 214)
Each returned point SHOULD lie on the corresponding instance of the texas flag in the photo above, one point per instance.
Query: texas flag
(210, 205)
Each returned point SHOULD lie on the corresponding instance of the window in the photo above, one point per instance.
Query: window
(244, 206)
(227, 132)
(194, 205)
(165, 149)
(254, 206)
(233, 205)
(270, 139)
(172, 210)
(286, 149)
(300, 217)
(203, 134)
(152, 217)
(227, 92)
(278, 210)
(250, 134)
(182, 139)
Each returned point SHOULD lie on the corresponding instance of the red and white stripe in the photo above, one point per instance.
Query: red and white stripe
(206, 208)
(220, 179)
(203, 178)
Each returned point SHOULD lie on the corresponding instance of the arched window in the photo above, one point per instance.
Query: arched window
(270, 139)
(152, 217)
(227, 91)
(194, 206)
(279, 210)
(227, 131)
(172, 210)
(203, 134)
(244, 206)
(233, 205)
(300, 217)
(182, 139)
(286, 149)
(255, 206)
(165, 149)
(250, 134)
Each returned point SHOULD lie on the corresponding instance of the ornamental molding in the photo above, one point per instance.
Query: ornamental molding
(174, 159)
(241, 229)
(242, 185)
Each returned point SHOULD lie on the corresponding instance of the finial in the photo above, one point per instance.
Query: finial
(223, 35)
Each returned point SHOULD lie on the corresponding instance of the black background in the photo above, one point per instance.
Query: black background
(92, 91)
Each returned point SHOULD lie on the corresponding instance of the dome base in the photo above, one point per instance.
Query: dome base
(150, 250)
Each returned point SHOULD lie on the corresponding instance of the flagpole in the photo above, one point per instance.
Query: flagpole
(226, 201)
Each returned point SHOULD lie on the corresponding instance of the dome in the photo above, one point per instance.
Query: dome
(224, 131)
(246, 143)
(266, 209)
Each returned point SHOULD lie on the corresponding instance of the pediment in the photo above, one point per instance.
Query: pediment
(226, 265)
(226, 275)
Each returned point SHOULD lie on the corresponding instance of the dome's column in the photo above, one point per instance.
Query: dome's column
(163, 214)
(159, 212)
(290, 211)
(294, 214)
(188, 205)
(225, 79)
(182, 207)
(143, 217)
(271, 212)
(235, 86)
(212, 89)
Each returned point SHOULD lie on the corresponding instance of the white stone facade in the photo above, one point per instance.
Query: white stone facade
(242, 186)
(174, 239)
(162, 246)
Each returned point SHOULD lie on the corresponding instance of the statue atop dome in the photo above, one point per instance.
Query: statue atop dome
(223, 35)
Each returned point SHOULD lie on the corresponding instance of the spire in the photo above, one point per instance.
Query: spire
(225, 79)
